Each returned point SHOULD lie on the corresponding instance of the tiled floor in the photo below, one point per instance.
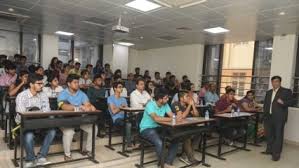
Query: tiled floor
(111, 159)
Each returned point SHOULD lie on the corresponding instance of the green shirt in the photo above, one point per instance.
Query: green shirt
(94, 93)
(152, 107)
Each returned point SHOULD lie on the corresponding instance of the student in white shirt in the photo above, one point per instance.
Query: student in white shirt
(139, 97)
(53, 89)
(84, 81)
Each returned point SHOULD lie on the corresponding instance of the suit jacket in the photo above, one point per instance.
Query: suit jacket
(279, 111)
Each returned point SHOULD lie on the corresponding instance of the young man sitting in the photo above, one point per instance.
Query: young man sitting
(26, 100)
(115, 102)
(69, 99)
(185, 107)
(139, 97)
(154, 112)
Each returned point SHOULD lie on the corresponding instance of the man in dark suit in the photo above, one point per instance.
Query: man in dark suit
(276, 105)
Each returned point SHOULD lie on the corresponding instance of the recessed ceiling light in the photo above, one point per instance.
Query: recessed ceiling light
(269, 48)
(282, 13)
(34, 39)
(216, 30)
(125, 43)
(141, 37)
(143, 5)
(64, 33)
(11, 9)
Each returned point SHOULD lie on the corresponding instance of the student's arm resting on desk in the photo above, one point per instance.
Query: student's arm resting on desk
(247, 108)
(113, 107)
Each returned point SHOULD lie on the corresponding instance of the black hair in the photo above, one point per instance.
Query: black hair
(139, 80)
(276, 77)
(115, 84)
(77, 63)
(185, 77)
(156, 73)
(96, 77)
(88, 65)
(117, 71)
(51, 77)
(160, 93)
(186, 86)
(137, 68)
(38, 67)
(182, 93)
(230, 90)
(250, 91)
(23, 72)
(84, 72)
(168, 73)
(35, 77)
(71, 77)
(10, 66)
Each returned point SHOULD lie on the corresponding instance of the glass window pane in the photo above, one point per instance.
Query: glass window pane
(212, 61)
(64, 49)
(262, 67)
(30, 47)
(9, 43)
(84, 52)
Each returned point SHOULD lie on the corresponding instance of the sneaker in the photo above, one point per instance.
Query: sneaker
(85, 152)
(29, 164)
(231, 143)
(42, 161)
(185, 159)
(67, 158)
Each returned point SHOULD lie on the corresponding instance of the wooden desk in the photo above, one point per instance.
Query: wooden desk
(225, 117)
(38, 120)
(126, 111)
(192, 121)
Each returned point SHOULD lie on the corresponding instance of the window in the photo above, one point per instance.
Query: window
(261, 68)
(212, 64)
(30, 48)
(237, 67)
(296, 78)
(9, 42)
(84, 52)
(64, 49)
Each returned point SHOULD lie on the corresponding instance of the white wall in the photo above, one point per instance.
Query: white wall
(120, 59)
(284, 58)
(49, 49)
(180, 60)
(108, 54)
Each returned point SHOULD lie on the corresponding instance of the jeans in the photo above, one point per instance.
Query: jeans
(152, 134)
(120, 122)
(29, 144)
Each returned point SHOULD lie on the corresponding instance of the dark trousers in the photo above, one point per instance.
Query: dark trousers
(274, 133)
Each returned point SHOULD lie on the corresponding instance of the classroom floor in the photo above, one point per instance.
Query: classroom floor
(111, 159)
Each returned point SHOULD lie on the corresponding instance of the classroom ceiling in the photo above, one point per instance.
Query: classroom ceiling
(246, 19)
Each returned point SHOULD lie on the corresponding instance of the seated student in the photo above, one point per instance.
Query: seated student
(150, 88)
(157, 79)
(185, 107)
(137, 73)
(84, 81)
(226, 105)
(211, 96)
(20, 85)
(186, 87)
(53, 89)
(76, 69)
(203, 91)
(124, 92)
(40, 71)
(68, 99)
(10, 76)
(130, 84)
(95, 92)
(139, 97)
(248, 103)
(155, 111)
(34, 98)
(115, 102)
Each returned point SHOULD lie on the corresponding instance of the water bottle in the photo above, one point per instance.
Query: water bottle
(207, 116)
(173, 119)
(44, 106)
(238, 111)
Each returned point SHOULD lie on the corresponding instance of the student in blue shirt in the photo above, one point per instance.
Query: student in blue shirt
(149, 128)
(211, 96)
(69, 99)
(115, 102)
